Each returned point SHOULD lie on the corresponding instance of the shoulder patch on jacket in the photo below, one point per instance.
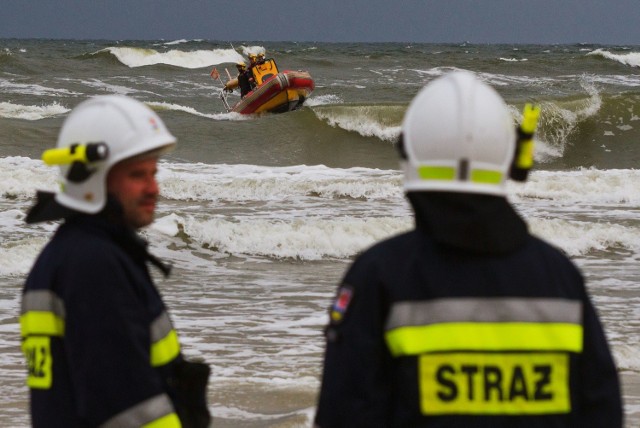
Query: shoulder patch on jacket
(341, 303)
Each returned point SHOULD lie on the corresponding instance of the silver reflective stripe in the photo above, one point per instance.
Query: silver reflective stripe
(141, 414)
(161, 327)
(42, 301)
(508, 309)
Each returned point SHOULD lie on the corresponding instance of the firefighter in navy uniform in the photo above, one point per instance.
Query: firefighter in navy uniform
(100, 346)
(467, 320)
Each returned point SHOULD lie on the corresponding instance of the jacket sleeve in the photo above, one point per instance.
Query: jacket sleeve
(107, 341)
(601, 402)
(355, 380)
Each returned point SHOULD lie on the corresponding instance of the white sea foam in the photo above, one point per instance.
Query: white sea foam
(18, 111)
(304, 239)
(585, 186)
(314, 212)
(435, 71)
(622, 80)
(247, 50)
(21, 176)
(626, 356)
(138, 57)
(9, 87)
(323, 100)
(581, 237)
(494, 79)
(631, 58)
(19, 246)
(489, 78)
(201, 182)
(179, 42)
(17, 257)
(177, 107)
(513, 59)
(296, 419)
(108, 87)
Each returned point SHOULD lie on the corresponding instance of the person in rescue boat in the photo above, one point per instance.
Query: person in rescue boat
(253, 60)
(246, 81)
(467, 320)
(100, 346)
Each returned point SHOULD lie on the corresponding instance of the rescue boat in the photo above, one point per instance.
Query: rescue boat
(275, 92)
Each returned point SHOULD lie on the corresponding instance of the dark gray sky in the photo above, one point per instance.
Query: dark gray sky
(478, 21)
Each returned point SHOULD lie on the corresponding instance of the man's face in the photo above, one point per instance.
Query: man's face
(133, 183)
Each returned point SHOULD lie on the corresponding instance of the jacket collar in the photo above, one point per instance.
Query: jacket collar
(477, 223)
(111, 221)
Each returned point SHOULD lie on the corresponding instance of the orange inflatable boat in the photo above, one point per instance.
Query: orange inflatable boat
(275, 92)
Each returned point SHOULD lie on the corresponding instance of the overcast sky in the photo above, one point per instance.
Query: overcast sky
(614, 22)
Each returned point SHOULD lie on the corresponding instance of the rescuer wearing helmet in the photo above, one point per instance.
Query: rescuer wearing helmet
(245, 79)
(467, 320)
(253, 60)
(100, 346)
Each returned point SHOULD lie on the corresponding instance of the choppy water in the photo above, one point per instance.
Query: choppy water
(261, 215)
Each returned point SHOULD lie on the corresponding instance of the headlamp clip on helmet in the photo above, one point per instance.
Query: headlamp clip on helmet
(79, 156)
(523, 158)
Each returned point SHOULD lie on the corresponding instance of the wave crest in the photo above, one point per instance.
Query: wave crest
(18, 111)
(380, 121)
(138, 57)
(631, 59)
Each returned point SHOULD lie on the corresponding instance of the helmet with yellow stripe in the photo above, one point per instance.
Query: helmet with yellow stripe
(457, 136)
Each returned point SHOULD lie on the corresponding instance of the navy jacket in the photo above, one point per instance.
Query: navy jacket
(466, 321)
(109, 348)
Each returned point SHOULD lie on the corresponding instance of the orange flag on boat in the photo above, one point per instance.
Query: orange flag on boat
(214, 74)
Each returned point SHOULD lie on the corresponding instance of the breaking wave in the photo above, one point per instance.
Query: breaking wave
(631, 59)
(140, 57)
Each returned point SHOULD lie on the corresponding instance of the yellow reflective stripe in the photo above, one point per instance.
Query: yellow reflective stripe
(41, 323)
(436, 172)
(415, 340)
(168, 421)
(165, 350)
(486, 176)
(448, 173)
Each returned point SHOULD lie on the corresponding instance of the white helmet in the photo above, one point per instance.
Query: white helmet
(125, 126)
(457, 136)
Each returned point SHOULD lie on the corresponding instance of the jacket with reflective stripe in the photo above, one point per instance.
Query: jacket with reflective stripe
(97, 337)
(431, 336)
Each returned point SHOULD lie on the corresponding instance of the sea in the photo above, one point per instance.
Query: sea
(261, 215)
